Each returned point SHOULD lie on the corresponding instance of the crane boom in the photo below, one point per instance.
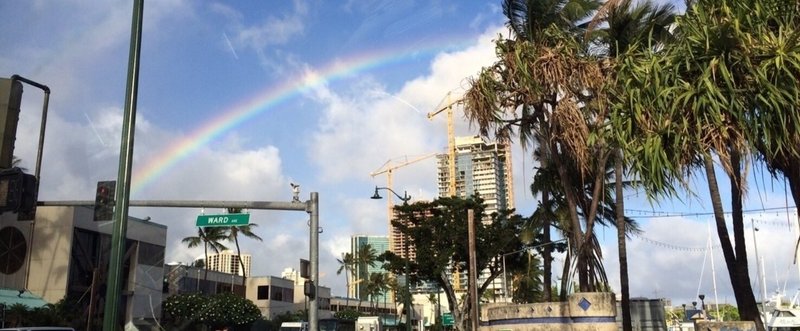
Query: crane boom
(389, 166)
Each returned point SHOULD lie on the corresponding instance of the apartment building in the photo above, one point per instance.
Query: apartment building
(228, 262)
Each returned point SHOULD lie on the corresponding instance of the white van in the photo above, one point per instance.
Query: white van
(294, 326)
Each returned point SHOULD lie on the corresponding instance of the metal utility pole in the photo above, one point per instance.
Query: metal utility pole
(120, 221)
(313, 210)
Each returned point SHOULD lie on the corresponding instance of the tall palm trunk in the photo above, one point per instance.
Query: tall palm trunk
(792, 174)
(547, 252)
(239, 257)
(736, 261)
(205, 262)
(790, 167)
(575, 233)
(565, 276)
(621, 248)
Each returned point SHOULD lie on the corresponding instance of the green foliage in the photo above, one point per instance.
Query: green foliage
(216, 310)
(65, 312)
(349, 314)
(726, 311)
(723, 92)
(438, 232)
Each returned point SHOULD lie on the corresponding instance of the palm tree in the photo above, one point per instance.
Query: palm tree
(366, 257)
(545, 81)
(736, 94)
(233, 233)
(556, 210)
(629, 27)
(346, 264)
(208, 237)
(378, 284)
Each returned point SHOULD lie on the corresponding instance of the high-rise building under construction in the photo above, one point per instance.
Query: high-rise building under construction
(480, 168)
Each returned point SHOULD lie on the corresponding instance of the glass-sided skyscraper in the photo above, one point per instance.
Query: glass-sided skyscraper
(362, 272)
(481, 167)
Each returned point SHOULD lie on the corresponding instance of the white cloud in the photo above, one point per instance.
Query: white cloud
(273, 30)
(379, 125)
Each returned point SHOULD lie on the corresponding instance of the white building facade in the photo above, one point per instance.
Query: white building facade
(228, 262)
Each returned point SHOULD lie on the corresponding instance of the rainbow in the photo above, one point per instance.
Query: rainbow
(272, 96)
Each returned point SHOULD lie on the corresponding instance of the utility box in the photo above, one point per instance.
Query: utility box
(369, 323)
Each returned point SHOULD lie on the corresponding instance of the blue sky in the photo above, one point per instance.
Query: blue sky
(358, 79)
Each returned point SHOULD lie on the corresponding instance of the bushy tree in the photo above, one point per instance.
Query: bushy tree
(218, 310)
(348, 314)
(438, 233)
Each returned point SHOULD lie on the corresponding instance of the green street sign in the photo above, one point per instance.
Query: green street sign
(223, 220)
(447, 319)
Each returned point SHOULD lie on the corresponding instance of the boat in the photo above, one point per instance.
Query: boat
(783, 315)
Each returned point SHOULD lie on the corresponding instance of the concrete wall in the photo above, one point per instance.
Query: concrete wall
(724, 326)
(271, 308)
(50, 258)
(581, 312)
(646, 314)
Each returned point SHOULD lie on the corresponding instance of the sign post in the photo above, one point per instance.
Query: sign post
(223, 220)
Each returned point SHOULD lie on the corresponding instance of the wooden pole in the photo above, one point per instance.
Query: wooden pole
(473, 271)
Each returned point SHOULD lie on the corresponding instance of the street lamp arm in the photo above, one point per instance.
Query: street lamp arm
(535, 246)
(403, 198)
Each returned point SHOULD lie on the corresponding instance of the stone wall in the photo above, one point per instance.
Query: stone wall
(581, 312)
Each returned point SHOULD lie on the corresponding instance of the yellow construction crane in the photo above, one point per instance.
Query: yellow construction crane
(389, 167)
(451, 139)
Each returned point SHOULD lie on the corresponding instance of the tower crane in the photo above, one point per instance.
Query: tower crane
(447, 104)
(389, 167)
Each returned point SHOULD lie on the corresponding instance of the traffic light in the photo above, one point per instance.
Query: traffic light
(104, 200)
(305, 269)
(10, 100)
(309, 289)
(18, 193)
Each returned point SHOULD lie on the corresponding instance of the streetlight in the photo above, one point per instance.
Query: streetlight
(702, 304)
(505, 283)
(377, 196)
(405, 199)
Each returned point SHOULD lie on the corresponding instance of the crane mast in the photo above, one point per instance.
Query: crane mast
(451, 141)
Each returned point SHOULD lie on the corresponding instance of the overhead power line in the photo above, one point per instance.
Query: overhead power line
(665, 214)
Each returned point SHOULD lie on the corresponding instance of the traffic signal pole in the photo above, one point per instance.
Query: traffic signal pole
(122, 195)
(120, 220)
(311, 207)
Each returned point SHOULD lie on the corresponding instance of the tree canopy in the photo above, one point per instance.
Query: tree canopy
(437, 235)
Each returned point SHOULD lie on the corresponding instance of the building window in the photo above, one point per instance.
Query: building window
(263, 292)
(277, 294)
(152, 255)
(288, 294)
